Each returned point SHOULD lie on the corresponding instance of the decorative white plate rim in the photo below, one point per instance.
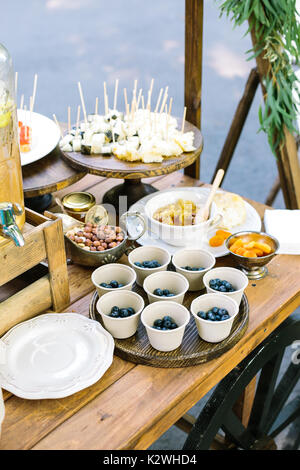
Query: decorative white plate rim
(45, 137)
(147, 239)
(91, 328)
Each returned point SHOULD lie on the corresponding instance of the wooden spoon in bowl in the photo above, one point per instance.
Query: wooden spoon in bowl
(204, 213)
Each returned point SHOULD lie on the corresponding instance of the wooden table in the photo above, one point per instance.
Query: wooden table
(132, 405)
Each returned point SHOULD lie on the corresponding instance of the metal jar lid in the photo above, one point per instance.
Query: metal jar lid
(78, 201)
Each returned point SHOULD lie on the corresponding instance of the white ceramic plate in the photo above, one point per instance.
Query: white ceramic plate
(54, 355)
(252, 222)
(45, 136)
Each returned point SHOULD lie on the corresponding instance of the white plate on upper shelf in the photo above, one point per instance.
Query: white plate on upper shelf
(252, 222)
(54, 355)
(45, 136)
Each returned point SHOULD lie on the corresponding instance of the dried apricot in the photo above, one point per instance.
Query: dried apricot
(249, 245)
(223, 233)
(250, 254)
(264, 247)
(216, 241)
(237, 244)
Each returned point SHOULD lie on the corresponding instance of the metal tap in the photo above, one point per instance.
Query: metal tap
(8, 226)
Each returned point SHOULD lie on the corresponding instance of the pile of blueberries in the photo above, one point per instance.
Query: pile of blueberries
(163, 293)
(166, 323)
(189, 268)
(117, 312)
(111, 285)
(148, 264)
(214, 314)
(221, 286)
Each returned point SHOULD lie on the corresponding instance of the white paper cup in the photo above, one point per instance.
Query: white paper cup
(110, 272)
(174, 282)
(120, 328)
(214, 331)
(165, 340)
(1, 410)
(148, 253)
(194, 258)
(236, 277)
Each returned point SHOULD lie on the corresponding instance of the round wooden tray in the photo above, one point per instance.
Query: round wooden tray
(112, 167)
(193, 349)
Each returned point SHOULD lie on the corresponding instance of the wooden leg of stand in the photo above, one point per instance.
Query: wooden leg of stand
(273, 192)
(238, 122)
(243, 406)
(193, 70)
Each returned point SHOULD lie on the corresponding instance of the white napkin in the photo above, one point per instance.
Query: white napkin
(285, 226)
(1, 410)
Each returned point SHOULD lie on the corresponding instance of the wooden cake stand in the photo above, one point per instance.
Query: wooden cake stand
(131, 172)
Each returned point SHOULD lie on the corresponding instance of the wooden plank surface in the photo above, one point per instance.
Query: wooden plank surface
(131, 406)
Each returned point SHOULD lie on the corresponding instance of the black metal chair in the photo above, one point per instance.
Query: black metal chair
(270, 414)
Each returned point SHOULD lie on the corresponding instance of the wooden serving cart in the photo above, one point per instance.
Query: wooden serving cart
(44, 243)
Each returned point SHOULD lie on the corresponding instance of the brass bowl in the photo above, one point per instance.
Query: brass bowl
(254, 268)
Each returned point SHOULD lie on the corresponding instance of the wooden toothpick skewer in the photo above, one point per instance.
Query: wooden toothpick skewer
(150, 94)
(164, 100)
(77, 119)
(105, 99)
(25, 121)
(126, 101)
(143, 102)
(134, 89)
(34, 90)
(57, 123)
(139, 98)
(22, 102)
(69, 119)
(82, 102)
(16, 84)
(168, 117)
(167, 121)
(96, 105)
(30, 109)
(116, 93)
(170, 107)
(183, 120)
(158, 100)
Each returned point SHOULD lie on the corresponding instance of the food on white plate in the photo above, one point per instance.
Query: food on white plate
(232, 207)
(182, 212)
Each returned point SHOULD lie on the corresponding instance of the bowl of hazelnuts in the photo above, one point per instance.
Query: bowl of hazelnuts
(90, 244)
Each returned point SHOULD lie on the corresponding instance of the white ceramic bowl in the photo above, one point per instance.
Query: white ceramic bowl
(170, 339)
(193, 258)
(110, 272)
(214, 331)
(120, 328)
(238, 280)
(147, 253)
(174, 282)
(180, 235)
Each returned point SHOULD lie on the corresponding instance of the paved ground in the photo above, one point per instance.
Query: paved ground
(94, 40)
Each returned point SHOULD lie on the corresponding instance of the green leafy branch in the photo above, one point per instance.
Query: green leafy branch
(277, 35)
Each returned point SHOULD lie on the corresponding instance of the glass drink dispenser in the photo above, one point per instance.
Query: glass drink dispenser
(12, 214)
